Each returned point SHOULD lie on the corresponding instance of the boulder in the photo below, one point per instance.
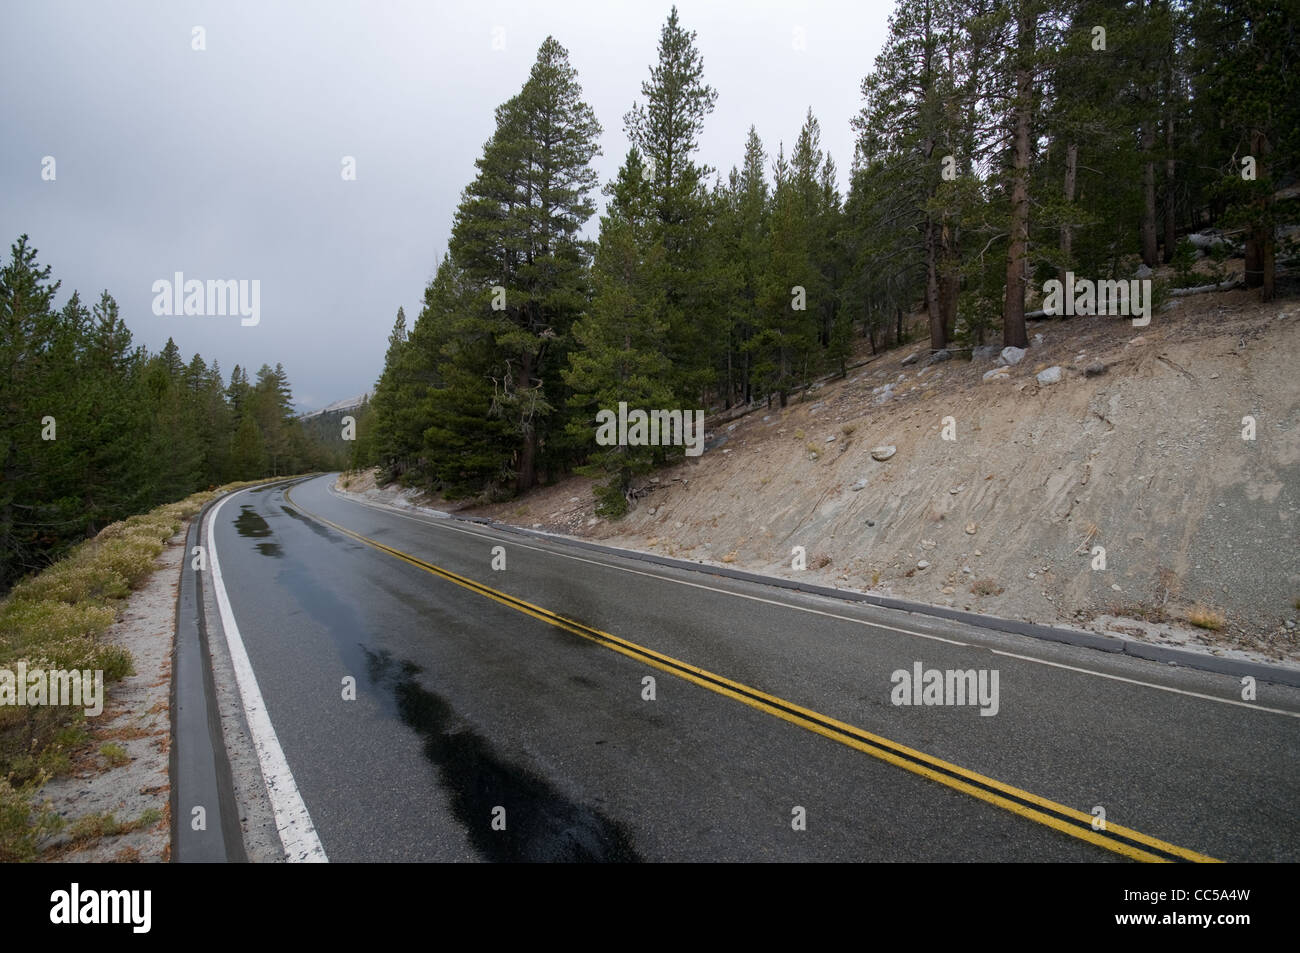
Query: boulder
(997, 374)
(883, 453)
(1011, 356)
(1050, 376)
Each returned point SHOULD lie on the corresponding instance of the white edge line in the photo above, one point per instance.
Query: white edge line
(1134, 681)
(445, 523)
(297, 833)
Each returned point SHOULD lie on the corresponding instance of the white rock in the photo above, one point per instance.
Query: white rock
(883, 453)
(1011, 355)
(1050, 376)
(922, 564)
(860, 485)
(997, 374)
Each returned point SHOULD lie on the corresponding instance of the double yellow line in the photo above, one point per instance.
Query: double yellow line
(1121, 840)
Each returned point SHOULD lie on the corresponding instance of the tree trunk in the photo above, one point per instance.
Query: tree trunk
(1259, 240)
(949, 281)
(526, 476)
(1171, 219)
(1013, 306)
(1067, 231)
(1150, 250)
(932, 305)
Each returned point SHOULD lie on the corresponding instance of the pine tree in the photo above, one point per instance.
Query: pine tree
(517, 229)
(247, 454)
(27, 330)
(111, 419)
(920, 104)
(665, 130)
(622, 353)
(1247, 101)
(390, 444)
(747, 251)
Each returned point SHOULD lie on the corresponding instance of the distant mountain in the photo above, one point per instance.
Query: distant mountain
(339, 405)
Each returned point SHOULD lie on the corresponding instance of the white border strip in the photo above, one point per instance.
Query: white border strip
(297, 833)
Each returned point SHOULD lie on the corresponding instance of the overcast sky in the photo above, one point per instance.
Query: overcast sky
(226, 162)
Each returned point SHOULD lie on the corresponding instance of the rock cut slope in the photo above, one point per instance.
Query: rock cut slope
(1132, 445)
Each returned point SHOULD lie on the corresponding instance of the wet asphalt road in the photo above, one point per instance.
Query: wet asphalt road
(465, 705)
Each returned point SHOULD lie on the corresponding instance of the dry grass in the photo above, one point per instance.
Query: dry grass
(1090, 532)
(113, 753)
(1206, 617)
(986, 587)
(1167, 585)
(1146, 611)
(94, 827)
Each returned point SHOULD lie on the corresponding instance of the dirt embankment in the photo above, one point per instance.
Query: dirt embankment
(1146, 460)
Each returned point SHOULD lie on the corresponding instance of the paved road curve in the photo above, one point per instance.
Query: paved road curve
(518, 696)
